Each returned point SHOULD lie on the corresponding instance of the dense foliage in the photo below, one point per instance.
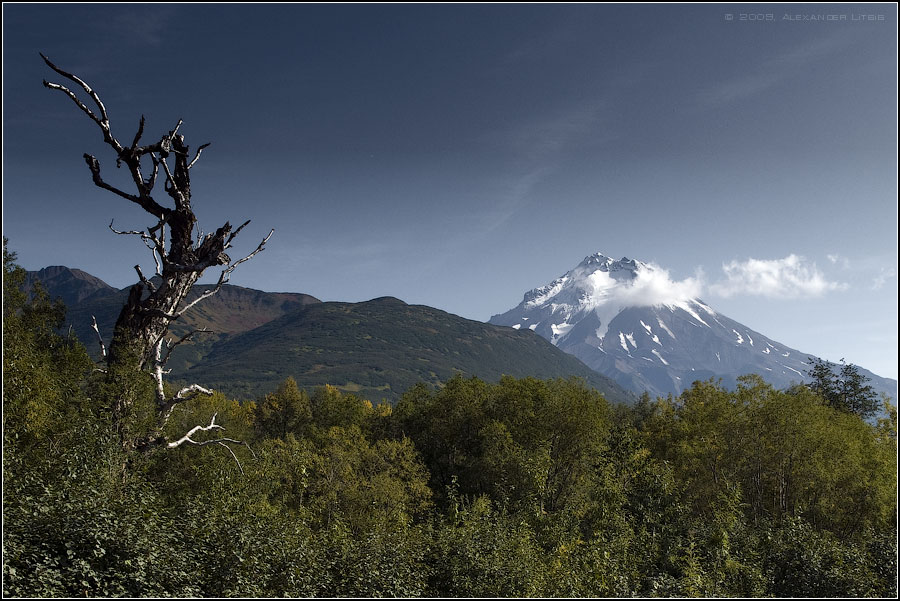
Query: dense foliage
(520, 488)
(845, 389)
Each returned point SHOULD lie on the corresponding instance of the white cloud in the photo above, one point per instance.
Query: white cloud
(882, 278)
(791, 277)
(654, 287)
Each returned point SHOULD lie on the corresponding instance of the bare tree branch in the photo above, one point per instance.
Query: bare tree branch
(169, 179)
(237, 231)
(124, 232)
(144, 280)
(189, 392)
(220, 441)
(187, 437)
(94, 165)
(197, 156)
(226, 273)
(96, 328)
(103, 120)
(152, 181)
(71, 94)
(156, 245)
(137, 136)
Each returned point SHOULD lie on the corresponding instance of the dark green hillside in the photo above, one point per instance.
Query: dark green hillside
(379, 349)
(232, 310)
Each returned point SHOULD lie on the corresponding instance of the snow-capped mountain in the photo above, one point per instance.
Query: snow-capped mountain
(627, 320)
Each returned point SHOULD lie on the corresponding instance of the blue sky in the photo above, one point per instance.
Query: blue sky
(460, 155)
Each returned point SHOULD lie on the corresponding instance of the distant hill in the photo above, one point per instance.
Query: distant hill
(377, 349)
(73, 286)
(232, 310)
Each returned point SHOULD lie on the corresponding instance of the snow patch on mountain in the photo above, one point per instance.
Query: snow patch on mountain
(664, 327)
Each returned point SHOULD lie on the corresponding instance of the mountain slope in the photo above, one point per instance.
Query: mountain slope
(379, 349)
(73, 286)
(619, 318)
(232, 310)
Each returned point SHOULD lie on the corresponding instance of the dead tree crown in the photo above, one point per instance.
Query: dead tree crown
(139, 341)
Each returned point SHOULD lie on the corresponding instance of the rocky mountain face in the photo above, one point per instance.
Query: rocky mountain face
(624, 319)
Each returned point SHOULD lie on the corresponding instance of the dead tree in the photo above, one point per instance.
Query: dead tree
(139, 341)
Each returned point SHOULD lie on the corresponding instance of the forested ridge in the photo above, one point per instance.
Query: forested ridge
(523, 487)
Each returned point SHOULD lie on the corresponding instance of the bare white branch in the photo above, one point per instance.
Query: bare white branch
(102, 120)
(80, 82)
(71, 94)
(187, 437)
(220, 441)
(189, 392)
(96, 328)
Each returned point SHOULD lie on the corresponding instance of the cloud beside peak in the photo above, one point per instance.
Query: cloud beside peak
(654, 286)
(791, 277)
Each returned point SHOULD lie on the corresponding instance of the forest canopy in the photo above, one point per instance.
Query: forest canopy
(522, 487)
